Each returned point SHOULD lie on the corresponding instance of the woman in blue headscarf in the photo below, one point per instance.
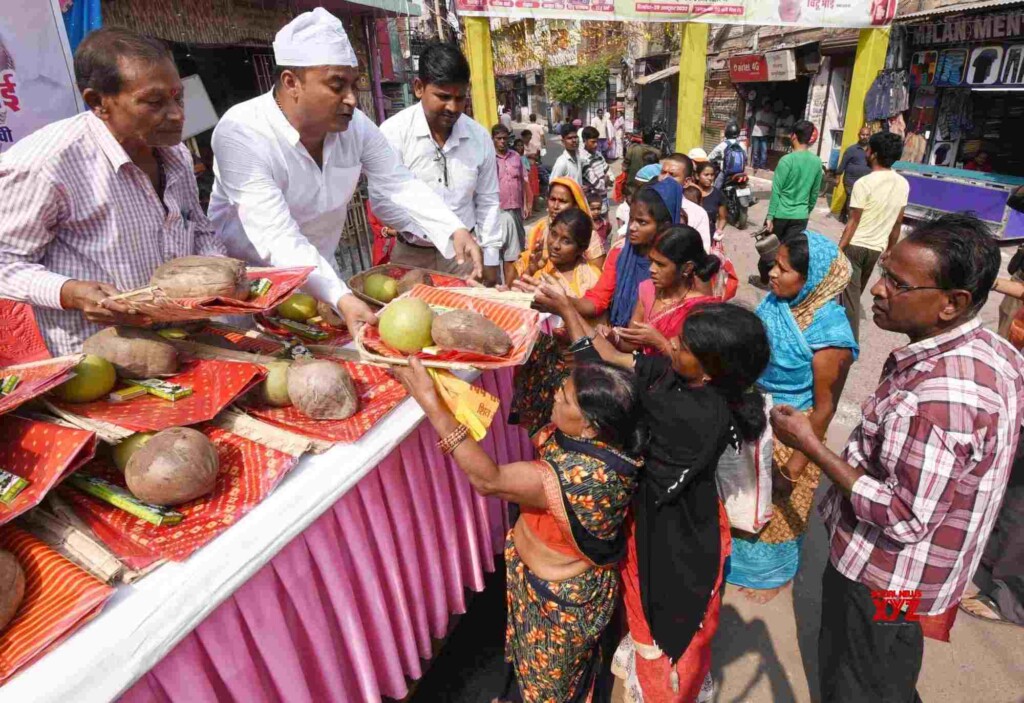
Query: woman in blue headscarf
(654, 209)
(812, 350)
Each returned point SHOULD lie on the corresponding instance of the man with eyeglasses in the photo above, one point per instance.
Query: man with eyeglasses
(287, 163)
(453, 155)
(916, 492)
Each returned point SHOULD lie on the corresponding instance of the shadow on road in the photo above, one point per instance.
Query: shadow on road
(737, 639)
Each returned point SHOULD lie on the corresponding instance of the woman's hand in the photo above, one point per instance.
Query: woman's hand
(551, 297)
(641, 334)
(419, 384)
(526, 284)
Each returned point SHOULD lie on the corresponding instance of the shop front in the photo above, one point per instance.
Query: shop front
(775, 84)
(965, 98)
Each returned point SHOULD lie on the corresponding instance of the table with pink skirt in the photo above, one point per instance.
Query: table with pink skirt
(332, 589)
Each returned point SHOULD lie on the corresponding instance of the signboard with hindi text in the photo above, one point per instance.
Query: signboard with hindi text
(795, 13)
(37, 80)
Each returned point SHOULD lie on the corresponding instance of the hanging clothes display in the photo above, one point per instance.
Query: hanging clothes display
(888, 95)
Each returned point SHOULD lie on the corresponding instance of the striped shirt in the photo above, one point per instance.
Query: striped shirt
(936, 442)
(75, 206)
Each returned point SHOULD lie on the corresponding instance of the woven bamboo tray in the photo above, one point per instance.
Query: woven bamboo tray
(441, 280)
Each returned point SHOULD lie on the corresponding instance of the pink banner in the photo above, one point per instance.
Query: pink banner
(347, 611)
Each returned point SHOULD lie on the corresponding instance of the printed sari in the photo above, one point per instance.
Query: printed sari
(796, 329)
(554, 628)
(537, 380)
(668, 321)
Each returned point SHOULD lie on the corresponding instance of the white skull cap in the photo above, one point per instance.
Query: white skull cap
(315, 38)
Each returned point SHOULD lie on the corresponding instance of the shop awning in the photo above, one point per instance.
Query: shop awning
(958, 7)
(657, 75)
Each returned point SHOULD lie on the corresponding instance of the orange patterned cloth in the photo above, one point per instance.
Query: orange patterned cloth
(249, 471)
(20, 338)
(283, 282)
(214, 384)
(43, 454)
(59, 598)
(378, 391)
(522, 327)
(35, 379)
(238, 339)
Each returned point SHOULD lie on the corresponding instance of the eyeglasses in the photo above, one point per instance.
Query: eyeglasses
(439, 157)
(894, 287)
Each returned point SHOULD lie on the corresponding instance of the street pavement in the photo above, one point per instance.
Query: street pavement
(768, 653)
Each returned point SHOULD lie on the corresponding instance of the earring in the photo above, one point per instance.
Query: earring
(705, 378)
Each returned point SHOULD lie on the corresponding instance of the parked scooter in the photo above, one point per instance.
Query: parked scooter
(738, 198)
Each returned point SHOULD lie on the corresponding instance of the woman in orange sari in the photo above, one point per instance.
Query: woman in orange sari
(562, 581)
(563, 193)
(566, 265)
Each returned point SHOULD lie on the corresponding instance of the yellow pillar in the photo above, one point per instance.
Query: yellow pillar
(693, 61)
(481, 67)
(870, 59)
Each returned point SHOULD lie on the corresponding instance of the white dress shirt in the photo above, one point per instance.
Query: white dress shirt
(697, 217)
(467, 161)
(273, 205)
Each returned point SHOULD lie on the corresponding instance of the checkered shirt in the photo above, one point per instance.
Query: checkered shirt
(74, 206)
(936, 442)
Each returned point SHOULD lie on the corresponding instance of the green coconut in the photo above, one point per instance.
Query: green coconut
(94, 378)
(405, 325)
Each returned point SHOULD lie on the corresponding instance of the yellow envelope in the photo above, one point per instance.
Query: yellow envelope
(472, 406)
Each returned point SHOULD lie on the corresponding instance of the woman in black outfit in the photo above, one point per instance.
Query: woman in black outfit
(695, 403)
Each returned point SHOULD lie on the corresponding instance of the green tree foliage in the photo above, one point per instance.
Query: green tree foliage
(577, 85)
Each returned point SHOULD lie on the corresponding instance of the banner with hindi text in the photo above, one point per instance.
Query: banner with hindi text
(796, 13)
(37, 78)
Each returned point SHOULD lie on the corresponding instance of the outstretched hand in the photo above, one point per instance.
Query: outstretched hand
(419, 383)
(793, 428)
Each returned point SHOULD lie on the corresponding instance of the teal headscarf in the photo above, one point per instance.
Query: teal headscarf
(813, 320)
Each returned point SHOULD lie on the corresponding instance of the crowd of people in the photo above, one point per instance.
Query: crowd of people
(621, 546)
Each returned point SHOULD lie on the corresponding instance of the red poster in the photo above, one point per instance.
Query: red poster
(750, 68)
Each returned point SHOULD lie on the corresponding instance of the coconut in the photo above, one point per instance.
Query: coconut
(274, 389)
(469, 331)
(202, 277)
(322, 390)
(174, 467)
(135, 353)
(298, 307)
(405, 325)
(326, 312)
(124, 449)
(94, 378)
(12, 587)
(380, 287)
(413, 278)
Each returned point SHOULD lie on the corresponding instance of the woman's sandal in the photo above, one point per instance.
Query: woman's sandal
(983, 608)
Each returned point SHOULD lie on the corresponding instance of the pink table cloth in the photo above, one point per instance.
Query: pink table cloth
(346, 611)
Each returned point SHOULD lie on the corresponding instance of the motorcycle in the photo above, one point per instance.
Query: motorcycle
(738, 197)
(660, 141)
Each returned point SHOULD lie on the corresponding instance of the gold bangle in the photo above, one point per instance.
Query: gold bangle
(451, 441)
(782, 473)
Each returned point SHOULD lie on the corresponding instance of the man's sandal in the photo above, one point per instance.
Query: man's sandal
(983, 608)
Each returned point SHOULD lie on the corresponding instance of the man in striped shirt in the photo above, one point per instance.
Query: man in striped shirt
(93, 204)
(916, 492)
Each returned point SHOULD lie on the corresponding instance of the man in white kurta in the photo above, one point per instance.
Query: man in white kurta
(287, 163)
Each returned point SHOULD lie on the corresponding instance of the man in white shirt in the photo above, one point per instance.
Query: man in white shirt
(598, 123)
(764, 126)
(680, 168)
(287, 163)
(568, 163)
(452, 154)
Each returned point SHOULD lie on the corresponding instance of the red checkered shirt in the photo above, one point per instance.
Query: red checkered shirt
(935, 442)
(75, 206)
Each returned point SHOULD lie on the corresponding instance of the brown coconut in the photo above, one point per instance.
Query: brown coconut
(174, 467)
(12, 587)
(135, 353)
(322, 390)
(329, 316)
(413, 278)
(469, 331)
(201, 277)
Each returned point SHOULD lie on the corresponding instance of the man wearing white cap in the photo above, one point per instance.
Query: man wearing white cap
(287, 163)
